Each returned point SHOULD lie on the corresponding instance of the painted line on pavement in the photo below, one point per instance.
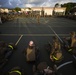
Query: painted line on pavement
(33, 34)
(18, 40)
(74, 57)
(55, 33)
(60, 66)
(53, 30)
(10, 34)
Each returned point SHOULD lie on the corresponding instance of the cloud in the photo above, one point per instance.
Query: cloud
(62, 1)
(32, 3)
(2, 2)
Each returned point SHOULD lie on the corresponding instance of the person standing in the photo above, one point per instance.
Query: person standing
(0, 21)
(38, 18)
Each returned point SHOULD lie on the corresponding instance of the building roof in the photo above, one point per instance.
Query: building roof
(49, 7)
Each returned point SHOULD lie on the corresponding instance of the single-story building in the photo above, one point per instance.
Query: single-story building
(42, 11)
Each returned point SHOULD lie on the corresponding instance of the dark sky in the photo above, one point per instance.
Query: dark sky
(32, 3)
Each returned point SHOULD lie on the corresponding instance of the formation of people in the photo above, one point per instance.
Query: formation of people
(56, 53)
(4, 18)
(31, 53)
(41, 69)
(69, 44)
(6, 49)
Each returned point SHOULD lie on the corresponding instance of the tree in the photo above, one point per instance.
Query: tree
(29, 8)
(56, 5)
(17, 9)
(42, 12)
(68, 6)
(73, 10)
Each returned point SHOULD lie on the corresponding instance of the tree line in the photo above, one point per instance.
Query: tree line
(69, 7)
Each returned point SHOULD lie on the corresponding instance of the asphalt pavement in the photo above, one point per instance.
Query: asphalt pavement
(21, 30)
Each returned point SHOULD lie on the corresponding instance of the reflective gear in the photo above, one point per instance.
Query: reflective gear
(16, 71)
(10, 46)
(55, 58)
(70, 50)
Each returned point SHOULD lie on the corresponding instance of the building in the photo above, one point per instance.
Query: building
(45, 11)
(59, 11)
(42, 11)
(4, 10)
(1, 10)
